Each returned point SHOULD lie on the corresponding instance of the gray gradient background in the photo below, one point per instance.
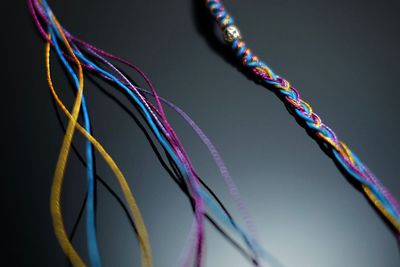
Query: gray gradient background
(342, 55)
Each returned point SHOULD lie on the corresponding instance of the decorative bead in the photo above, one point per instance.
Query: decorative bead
(231, 33)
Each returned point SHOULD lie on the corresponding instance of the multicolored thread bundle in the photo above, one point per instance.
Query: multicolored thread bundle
(79, 57)
(372, 187)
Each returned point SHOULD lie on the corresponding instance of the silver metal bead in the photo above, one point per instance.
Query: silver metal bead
(232, 33)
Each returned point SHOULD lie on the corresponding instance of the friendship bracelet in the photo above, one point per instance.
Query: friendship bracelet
(372, 187)
(78, 56)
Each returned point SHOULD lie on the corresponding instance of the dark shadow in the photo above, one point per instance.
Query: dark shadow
(398, 243)
(205, 25)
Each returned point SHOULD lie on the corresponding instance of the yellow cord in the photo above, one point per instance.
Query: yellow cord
(61, 163)
(380, 207)
(370, 195)
(55, 196)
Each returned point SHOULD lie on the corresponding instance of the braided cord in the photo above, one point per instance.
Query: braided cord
(373, 189)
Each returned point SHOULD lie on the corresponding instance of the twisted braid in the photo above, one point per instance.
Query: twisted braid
(373, 189)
